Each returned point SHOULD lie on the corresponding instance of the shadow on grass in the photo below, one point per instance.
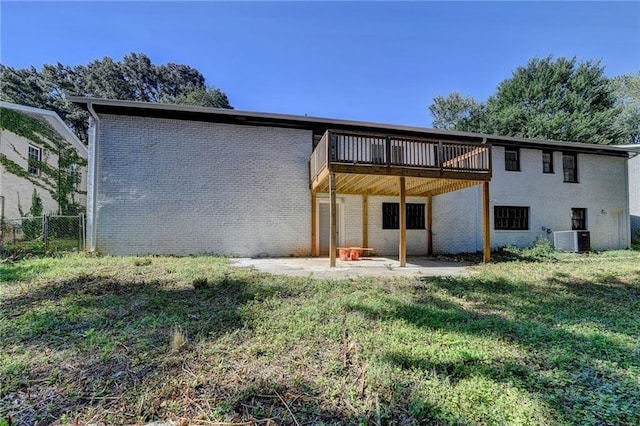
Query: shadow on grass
(20, 271)
(115, 334)
(68, 309)
(580, 375)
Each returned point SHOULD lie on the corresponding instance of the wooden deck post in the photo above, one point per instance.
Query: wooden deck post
(332, 213)
(486, 223)
(403, 224)
(429, 224)
(365, 220)
(314, 225)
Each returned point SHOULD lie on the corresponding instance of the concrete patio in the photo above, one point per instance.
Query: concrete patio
(417, 266)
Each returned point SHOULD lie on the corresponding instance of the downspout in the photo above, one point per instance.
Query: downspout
(92, 178)
(627, 194)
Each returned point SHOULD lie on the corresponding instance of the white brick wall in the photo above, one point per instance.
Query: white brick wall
(183, 187)
(634, 194)
(601, 190)
(383, 241)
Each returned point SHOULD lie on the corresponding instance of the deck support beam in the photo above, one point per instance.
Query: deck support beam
(429, 224)
(403, 224)
(314, 225)
(333, 235)
(365, 220)
(486, 224)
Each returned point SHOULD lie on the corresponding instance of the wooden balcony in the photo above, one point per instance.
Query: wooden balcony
(370, 163)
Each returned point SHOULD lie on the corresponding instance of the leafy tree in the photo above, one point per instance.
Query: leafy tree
(209, 97)
(627, 92)
(548, 99)
(134, 78)
(457, 112)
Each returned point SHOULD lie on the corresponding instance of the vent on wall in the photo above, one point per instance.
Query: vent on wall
(572, 241)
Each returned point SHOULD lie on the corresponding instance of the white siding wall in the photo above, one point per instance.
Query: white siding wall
(634, 195)
(183, 187)
(601, 190)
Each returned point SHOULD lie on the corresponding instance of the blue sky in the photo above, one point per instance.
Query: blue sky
(378, 61)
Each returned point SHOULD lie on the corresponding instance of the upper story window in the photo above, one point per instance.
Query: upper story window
(570, 167)
(377, 153)
(73, 176)
(391, 216)
(547, 161)
(34, 159)
(578, 219)
(511, 218)
(397, 155)
(512, 159)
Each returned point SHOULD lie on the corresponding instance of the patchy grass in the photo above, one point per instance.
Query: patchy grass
(130, 340)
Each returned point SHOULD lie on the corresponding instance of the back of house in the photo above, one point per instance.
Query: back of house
(634, 195)
(168, 179)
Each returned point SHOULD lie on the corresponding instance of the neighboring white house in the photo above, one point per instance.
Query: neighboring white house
(634, 194)
(32, 142)
(168, 179)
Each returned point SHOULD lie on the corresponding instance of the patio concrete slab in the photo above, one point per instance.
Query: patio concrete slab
(366, 267)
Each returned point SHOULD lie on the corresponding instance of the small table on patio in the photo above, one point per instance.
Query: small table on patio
(351, 253)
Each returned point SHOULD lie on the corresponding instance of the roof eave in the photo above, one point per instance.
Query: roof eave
(287, 120)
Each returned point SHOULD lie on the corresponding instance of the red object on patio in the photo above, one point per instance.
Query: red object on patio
(344, 254)
(355, 254)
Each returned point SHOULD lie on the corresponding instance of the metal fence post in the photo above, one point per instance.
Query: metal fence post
(80, 233)
(45, 229)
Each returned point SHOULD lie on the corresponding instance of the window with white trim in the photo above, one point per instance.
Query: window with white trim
(34, 159)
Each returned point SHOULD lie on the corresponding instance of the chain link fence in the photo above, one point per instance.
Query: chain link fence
(42, 234)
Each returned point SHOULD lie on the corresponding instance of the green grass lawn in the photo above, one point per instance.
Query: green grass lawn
(100, 340)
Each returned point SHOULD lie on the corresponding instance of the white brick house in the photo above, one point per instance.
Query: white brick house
(634, 194)
(170, 179)
(31, 139)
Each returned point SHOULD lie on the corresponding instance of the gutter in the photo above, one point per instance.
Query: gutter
(92, 179)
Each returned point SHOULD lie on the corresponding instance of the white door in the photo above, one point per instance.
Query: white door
(324, 227)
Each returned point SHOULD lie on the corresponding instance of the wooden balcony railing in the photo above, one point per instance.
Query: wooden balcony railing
(367, 153)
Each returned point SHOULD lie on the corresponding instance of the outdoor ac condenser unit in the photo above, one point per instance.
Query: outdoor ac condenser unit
(572, 241)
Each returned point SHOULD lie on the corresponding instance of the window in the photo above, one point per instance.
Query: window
(511, 218)
(377, 153)
(578, 219)
(34, 159)
(512, 159)
(547, 161)
(391, 216)
(570, 167)
(73, 176)
(397, 155)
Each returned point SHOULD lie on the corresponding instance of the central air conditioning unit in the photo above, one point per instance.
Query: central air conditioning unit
(572, 241)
